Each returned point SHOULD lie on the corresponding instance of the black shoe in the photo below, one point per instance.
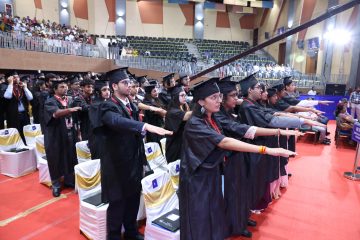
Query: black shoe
(69, 185)
(289, 175)
(56, 191)
(325, 142)
(246, 233)
(251, 223)
(137, 237)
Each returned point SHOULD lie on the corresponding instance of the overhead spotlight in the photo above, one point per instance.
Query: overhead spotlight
(338, 36)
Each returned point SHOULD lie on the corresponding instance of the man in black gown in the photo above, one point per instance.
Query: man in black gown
(122, 157)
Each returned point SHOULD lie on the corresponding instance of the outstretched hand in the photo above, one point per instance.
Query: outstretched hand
(157, 130)
(291, 133)
(281, 152)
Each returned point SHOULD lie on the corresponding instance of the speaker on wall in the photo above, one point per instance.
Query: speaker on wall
(335, 89)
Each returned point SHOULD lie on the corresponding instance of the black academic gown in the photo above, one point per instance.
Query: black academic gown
(59, 141)
(174, 122)
(165, 97)
(153, 119)
(236, 176)
(263, 168)
(94, 142)
(2, 105)
(202, 213)
(123, 153)
(83, 115)
(38, 105)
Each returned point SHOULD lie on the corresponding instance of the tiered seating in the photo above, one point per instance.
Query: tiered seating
(166, 48)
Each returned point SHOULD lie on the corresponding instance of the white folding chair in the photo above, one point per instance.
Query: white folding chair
(163, 145)
(30, 132)
(174, 171)
(82, 151)
(155, 158)
(160, 197)
(42, 164)
(87, 183)
(15, 164)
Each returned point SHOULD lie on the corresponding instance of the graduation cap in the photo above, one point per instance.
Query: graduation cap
(25, 78)
(131, 76)
(95, 77)
(247, 83)
(10, 73)
(85, 82)
(287, 80)
(181, 77)
(226, 85)
(168, 78)
(279, 87)
(99, 84)
(73, 79)
(116, 75)
(271, 92)
(141, 79)
(55, 83)
(50, 75)
(205, 89)
(149, 88)
(41, 76)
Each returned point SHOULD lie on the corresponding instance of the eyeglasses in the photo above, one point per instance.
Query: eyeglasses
(182, 95)
(216, 97)
(125, 82)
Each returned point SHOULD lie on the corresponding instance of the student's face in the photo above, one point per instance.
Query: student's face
(231, 100)
(273, 99)
(264, 96)
(134, 89)
(154, 93)
(75, 86)
(122, 87)
(105, 92)
(291, 87)
(212, 102)
(182, 97)
(61, 89)
(255, 92)
(88, 89)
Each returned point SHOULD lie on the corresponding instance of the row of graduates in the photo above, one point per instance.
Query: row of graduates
(196, 137)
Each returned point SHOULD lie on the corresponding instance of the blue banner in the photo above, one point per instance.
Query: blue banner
(356, 132)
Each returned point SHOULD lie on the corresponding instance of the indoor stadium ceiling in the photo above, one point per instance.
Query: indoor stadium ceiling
(243, 3)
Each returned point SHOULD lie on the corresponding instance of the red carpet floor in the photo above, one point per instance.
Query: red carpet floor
(318, 204)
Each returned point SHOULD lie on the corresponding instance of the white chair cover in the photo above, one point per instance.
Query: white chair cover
(163, 145)
(87, 182)
(174, 171)
(160, 197)
(15, 164)
(154, 157)
(42, 164)
(82, 151)
(30, 132)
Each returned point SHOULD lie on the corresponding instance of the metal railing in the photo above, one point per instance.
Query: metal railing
(20, 41)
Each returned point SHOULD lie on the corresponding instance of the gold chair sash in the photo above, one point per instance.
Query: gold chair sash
(40, 148)
(32, 133)
(175, 180)
(154, 155)
(88, 183)
(158, 197)
(82, 154)
(6, 140)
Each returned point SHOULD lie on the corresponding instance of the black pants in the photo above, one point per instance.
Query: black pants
(24, 120)
(123, 212)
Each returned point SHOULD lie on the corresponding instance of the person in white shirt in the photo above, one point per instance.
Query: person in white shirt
(312, 92)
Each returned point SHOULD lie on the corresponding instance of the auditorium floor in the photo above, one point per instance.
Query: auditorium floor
(318, 204)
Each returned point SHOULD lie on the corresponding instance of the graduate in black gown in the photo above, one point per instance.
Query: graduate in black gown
(60, 137)
(177, 114)
(164, 95)
(102, 93)
(120, 134)
(202, 212)
(84, 100)
(153, 117)
(236, 166)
